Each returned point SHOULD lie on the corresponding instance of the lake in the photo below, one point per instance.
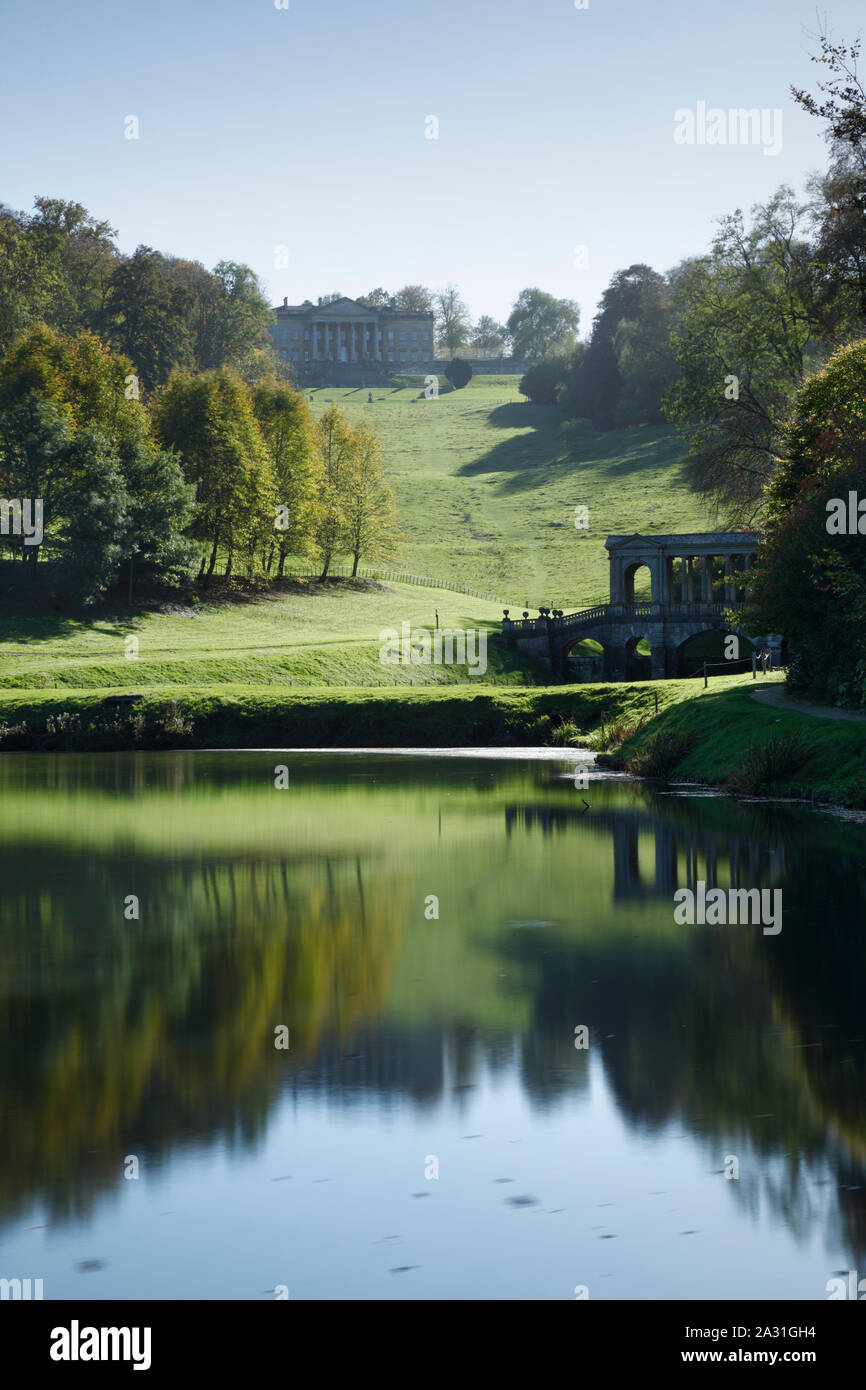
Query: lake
(421, 1027)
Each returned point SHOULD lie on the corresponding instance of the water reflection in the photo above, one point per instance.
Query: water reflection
(307, 908)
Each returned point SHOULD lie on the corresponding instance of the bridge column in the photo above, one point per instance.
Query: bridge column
(730, 598)
(706, 585)
(684, 579)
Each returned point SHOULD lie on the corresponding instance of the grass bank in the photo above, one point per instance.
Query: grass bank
(722, 737)
(262, 716)
(719, 736)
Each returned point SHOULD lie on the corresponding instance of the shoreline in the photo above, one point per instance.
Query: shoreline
(718, 737)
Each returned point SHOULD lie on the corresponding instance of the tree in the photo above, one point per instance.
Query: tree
(414, 299)
(91, 504)
(453, 324)
(34, 437)
(228, 314)
(290, 438)
(375, 299)
(810, 579)
(337, 446)
(369, 508)
(87, 258)
(159, 506)
(29, 280)
(839, 208)
(745, 330)
(90, 384)
(541, 326)
(61, 396)
(147, 317)
(488, 337)
(459, 373)
(543, 382)
(209, 420)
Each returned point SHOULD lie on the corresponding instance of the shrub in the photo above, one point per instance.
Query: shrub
(459, 373)
(768, 762)
(543, 382)
(661, 753)
(611, 733)
(565, 734)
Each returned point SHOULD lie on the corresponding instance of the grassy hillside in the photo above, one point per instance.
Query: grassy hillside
(486, 488)
(301, 634)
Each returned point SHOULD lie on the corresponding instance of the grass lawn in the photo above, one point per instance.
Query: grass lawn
(486, 489)
(302, 634)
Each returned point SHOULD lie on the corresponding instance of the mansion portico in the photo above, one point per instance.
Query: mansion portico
(347, 332)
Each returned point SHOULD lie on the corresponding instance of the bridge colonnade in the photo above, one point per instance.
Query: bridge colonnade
(688, 596)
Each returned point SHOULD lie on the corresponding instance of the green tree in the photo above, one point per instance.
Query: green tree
(541, 326)
(159, 506)
(369, 508)
(543, 382)
(488, 337)
(147, 317)
(745, 330)
(810, 579)
(30, 280)
(337, 447)
(290, 438)
(209, 421)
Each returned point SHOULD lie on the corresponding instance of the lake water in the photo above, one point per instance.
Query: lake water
(431, 1130)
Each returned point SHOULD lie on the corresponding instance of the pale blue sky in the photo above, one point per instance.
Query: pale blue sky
(305, 127)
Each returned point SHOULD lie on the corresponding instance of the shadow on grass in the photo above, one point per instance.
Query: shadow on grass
(540, 455)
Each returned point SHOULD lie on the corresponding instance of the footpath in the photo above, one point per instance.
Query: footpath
(776, 697)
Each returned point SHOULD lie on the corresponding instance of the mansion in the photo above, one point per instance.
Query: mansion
(348, 333)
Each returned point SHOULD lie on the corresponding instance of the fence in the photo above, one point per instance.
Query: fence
(425, 581)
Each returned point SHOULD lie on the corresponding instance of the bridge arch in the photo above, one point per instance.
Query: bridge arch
(638, 582)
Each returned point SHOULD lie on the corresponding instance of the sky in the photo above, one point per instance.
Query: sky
(298, 139)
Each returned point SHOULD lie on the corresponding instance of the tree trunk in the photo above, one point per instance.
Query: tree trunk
(213, 560)
(355, 566)
(129, 590)
(326, 566)
(282, 563)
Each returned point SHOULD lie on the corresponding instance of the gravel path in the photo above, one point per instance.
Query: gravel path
(775, 696)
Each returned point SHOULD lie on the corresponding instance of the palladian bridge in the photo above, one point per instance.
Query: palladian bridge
(693, 580)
